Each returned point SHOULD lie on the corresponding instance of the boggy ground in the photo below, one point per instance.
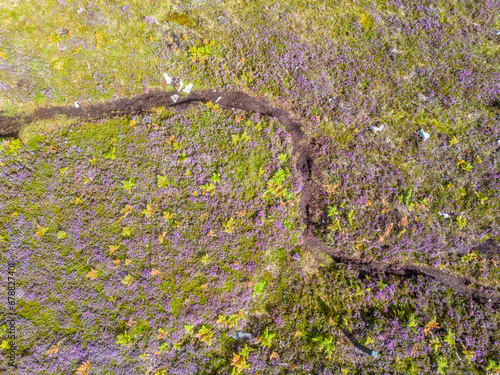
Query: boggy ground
(391, 197)
(311, 193)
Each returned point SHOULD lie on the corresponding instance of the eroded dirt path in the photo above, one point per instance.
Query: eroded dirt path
(312, 194)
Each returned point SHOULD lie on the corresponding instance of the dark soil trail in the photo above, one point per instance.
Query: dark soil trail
(312, 194)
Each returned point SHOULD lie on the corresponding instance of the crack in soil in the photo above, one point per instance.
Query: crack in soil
(311, 195)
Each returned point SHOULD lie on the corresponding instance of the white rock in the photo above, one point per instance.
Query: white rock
(422, 97)
(174, 98)
(181, 84)
(188, 88)
(77, 105)
(167, 78)
(409, 76)
(241, 336)
(220, 97)
(498, 142)
(79, 10)
(222, 20)
(446, 216)
(425, 136)
(379, 129)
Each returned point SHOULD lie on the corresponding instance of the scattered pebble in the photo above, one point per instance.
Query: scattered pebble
(498, 142)
(425, 136)
(62, 32)
(241, 336)
(409, 76)
(188, 88)
(220, 97)
(223, 20)
(422, 97)
(77, 105)
(446, 216)
(174, 98)
(167, 78)
(379, 129)
(181, 84)
(79, 10)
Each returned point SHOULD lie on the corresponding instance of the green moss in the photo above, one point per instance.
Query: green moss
(176, 305)
(35, 141)
(33, 311)
(228, 286)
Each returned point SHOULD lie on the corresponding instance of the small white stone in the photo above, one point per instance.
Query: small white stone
(174, 98)
(188, 88)
(379, 129)
(410, 76)
(446, 216)
(167, 78)
(181, 84)
(422, 97)
(79, 10)
(425, 136)
(498, 142)
(77, 105)
(220, 97)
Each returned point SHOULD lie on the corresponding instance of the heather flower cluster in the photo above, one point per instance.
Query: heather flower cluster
(405, 118)
(130, 230)
(145, 243)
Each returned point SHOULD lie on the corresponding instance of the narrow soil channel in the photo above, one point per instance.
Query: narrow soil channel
(312, 195)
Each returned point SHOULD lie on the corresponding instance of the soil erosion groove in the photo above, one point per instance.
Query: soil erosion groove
(312, 193)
